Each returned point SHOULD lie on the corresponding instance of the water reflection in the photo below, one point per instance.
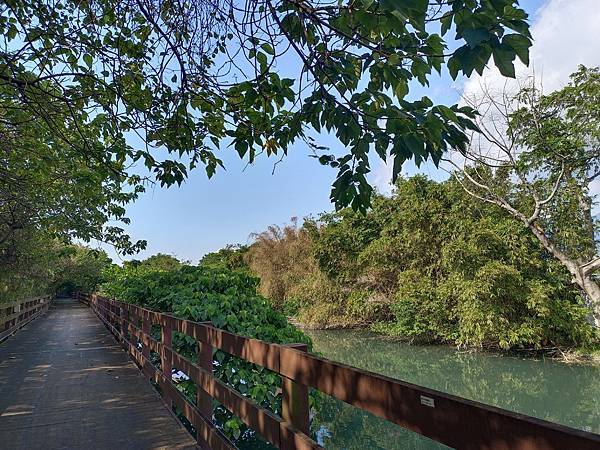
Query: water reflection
(563, 393)
(341, 426)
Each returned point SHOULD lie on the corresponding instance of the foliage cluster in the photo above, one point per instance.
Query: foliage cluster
(160, 261)
(193, 78)
(49, 195)
(79, 268)
(229, 300)
(231, 257)
(46, 265)
(537, 156)
(430, 263)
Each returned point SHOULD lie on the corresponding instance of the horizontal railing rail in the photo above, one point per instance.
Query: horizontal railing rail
(456, 422)
(17, 314)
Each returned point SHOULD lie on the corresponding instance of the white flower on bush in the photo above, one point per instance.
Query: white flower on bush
(178, 376)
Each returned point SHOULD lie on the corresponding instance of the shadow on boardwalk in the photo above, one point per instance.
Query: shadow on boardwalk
(66, 384)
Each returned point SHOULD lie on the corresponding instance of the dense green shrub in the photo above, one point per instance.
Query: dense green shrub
(226, 298)
(230, 257)
(429, 263)
(467, 273)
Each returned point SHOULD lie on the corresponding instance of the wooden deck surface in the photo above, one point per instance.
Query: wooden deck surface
(66, 384)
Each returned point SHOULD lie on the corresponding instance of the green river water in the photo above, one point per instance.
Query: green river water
(565, 393)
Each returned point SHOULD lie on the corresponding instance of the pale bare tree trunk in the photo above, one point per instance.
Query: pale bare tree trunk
(581, 273)
(497, 145)
(592, 291)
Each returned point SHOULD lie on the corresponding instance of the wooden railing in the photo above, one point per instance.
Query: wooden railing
(19, 313)
(450, 420)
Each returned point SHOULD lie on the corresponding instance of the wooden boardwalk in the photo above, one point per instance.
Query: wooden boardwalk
(66, 384)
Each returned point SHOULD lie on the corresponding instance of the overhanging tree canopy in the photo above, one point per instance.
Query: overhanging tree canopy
(48, 187)
(191, 77)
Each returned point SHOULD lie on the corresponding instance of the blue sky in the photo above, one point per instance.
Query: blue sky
(204, 215)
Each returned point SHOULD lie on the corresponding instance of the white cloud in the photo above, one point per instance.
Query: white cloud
(565, 33)
(382, 177)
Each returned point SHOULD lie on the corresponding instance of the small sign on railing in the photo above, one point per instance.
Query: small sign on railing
(427, 401)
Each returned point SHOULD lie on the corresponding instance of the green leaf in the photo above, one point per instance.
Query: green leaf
(268, 48)
(414, 144)
(503, 58)
(446, 22)
(520, 44)
(465, 59)
(476, 36)
(401, 89)
(447, 113)
(453, 67)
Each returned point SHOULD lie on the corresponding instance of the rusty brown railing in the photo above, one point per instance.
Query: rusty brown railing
(450, 420)
(17, 314)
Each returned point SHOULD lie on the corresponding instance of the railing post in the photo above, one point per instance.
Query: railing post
(166, 363)
(203, 398)
(146, 326)
(123, 323)
(294, 399)
(10, 311)
(17, 312)
(167, 341)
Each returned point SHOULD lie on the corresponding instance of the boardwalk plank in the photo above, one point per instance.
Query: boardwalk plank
(66, 384)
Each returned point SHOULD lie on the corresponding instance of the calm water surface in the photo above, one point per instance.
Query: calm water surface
(559, 392)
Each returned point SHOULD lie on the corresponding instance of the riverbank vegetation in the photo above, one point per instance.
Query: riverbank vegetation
(428, 264)
(503, 254)
(544, 152)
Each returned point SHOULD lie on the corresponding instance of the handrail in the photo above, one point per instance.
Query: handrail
(16, 314)
(445, 418)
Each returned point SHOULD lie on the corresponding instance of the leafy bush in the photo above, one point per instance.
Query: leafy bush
(226, 298)
(465, 273)
(428, 264)
(230, 257)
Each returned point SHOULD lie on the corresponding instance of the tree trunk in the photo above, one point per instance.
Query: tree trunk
(582, 279)
(592, 291)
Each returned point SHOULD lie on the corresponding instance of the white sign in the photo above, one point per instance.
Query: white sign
(427, 401)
